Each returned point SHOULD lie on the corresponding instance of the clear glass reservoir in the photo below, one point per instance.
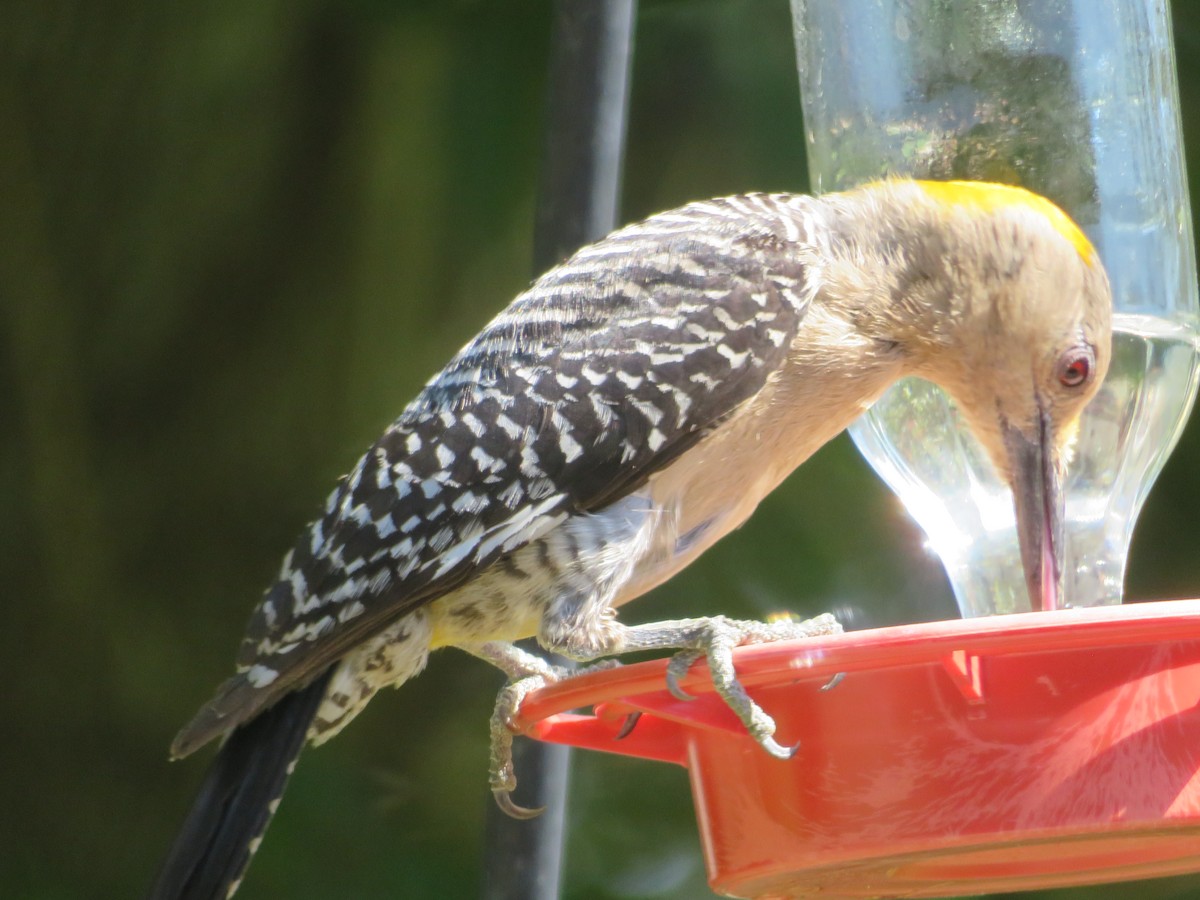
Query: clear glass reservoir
(1074, 99)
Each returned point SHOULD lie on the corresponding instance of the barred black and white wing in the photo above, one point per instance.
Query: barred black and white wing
(602, 373)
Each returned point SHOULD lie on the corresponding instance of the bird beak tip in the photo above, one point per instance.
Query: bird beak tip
(1038, 502)
(1051, 572)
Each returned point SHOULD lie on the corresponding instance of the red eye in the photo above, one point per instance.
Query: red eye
(1075, 368)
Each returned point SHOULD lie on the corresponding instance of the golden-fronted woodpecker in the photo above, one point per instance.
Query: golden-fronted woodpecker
(630, 408)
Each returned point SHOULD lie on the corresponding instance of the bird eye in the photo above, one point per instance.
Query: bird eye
(1075, 367)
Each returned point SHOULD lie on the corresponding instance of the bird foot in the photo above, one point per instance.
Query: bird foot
(501, 775)
(714, 639)
(711, 638)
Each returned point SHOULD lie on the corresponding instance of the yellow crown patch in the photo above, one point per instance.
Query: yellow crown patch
(987, 196)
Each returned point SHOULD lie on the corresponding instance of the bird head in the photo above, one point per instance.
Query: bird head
(1012, 312)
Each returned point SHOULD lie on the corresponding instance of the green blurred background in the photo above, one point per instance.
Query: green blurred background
(235, 238)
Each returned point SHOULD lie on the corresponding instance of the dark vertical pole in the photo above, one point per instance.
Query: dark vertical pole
(577, 201)
(580, 181)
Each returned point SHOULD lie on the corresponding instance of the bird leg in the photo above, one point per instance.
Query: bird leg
(501, 776)
(711, 638)
(526, 674)
(714, 639)
(516, 663)
(586, 633)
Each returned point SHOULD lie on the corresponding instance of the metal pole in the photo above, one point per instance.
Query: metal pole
(578, 194)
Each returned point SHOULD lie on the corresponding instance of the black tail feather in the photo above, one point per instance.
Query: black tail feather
(237, 800)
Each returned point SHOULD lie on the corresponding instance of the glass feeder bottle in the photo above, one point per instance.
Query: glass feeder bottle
(1073, 99)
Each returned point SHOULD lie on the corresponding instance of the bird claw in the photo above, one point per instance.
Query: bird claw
(528, 674)
(504, 782)
(514, 810)
(715, 640)
(833, 682)
(627, 726)
(776, 749)
(501, 776)
(677, 668)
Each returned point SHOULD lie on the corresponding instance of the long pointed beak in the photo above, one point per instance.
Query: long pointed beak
(1038, 499)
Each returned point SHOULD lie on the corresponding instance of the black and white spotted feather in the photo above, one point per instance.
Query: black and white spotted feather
(602, 373)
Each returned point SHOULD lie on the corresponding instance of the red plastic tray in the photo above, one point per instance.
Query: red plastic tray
(974, 756)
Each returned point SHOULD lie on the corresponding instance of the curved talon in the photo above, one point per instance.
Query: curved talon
(776, 749)
(677, 692)
(627, 726)
(502, 779)
(677, 668)
(505, 801)
(833, 682)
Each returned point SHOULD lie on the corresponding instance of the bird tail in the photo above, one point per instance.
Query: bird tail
(237, 799)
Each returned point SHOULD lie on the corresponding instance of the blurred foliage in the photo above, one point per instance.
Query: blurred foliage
(234, 240)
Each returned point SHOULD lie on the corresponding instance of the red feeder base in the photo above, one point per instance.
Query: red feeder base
(974, 756)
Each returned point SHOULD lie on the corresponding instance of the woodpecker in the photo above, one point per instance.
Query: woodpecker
(621, 415)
